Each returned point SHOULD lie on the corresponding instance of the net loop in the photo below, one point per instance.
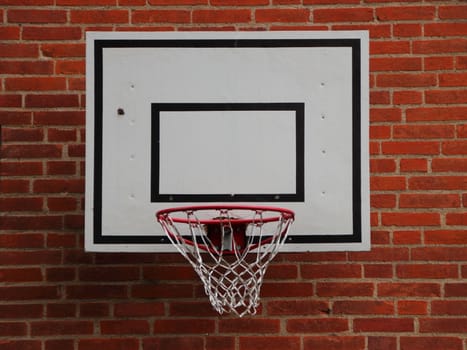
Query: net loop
(229, 247)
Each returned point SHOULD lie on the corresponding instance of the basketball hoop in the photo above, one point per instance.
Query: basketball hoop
(229, 247)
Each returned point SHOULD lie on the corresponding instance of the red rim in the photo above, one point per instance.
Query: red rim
(286, 213)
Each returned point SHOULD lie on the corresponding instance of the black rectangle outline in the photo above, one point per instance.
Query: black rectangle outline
(297, 196)
(101, 44)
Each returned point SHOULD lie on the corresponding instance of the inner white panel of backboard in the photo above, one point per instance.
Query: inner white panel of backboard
(213, 152)
(227, 152)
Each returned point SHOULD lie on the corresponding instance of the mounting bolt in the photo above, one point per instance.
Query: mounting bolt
(120, 111)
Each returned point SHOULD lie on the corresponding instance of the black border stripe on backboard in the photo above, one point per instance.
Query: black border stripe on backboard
(101, 44)
(299, 116)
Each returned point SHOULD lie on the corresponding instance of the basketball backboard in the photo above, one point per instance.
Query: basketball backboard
(266, 118)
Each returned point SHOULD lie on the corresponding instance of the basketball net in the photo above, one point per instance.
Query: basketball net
(230, 249)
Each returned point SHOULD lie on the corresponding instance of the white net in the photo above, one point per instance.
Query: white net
(229, 248)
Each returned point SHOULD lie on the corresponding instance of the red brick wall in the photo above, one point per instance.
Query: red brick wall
(408, 293)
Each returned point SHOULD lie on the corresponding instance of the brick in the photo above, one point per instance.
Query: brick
(29, 293)
(406, 30)
(19, 50)
(331, 289)
(412, 289)
(454, 147)
(343, 15)
(186, 342)
(124, 327)
(334, 343)
(76, 151)
(382, 343)
(99, 16)
(318, 325)
(30, 257)
(196, 2)
(26, 67)
(63, 118)
(20, 311)
(270, 343)
(21, 168)
(183, 326)
(21, 204)
(384, 64)
(61, 204)
(446, 237)
(108, 344)
(413, 165)
(443, 325)
(407, 237)
(439, 254)
(363, 307)
(61, 241)
(438, 63)
(282, 271)
(62, 327)
(436, 114)
(59, 186)
(10, 101)
(220, 343)
(287, 290)
(408, 200)
(24, 222)
(9, 33)
(61, 168)
(379, 97)
(438, 183)
(435, 342)
(380, 132)
(406, 80)
(61, 310)
(86, 2)
(445, 29)
(410, 219)
(20, 344)
(108, 273)
(282, 15)
(387, 183)
(238, 325)
(455, 290)
(410, 147)
(405, 13)
(385, 114)
(462, 131)
(412, 307)
(456, 219)
(380, 237)
(134, 309)
(58, 344)
(32, 151)
(52, 101)
(453, 12)
(333, 2)
(383, 325)
(51, 33)
(432, 131)
(20, 275)
(161, 291)
(445, 96)
(94, 309)
(222, 16)
(14, 186)
(296, 307)
(461, 62)
(389, 47)
(35, 84)
(443, 46)
(382, 165)
(24, 134)
(427, 271)
(13, 329)
(22, 240)
(449, 307)
(407, 97)
(161, 16)
(36, 16)
(14, 117)
(96, 291)
(317, 271)
(378, 271)
(63, 50)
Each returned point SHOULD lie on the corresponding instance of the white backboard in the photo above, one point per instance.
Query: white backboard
(264, 118)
